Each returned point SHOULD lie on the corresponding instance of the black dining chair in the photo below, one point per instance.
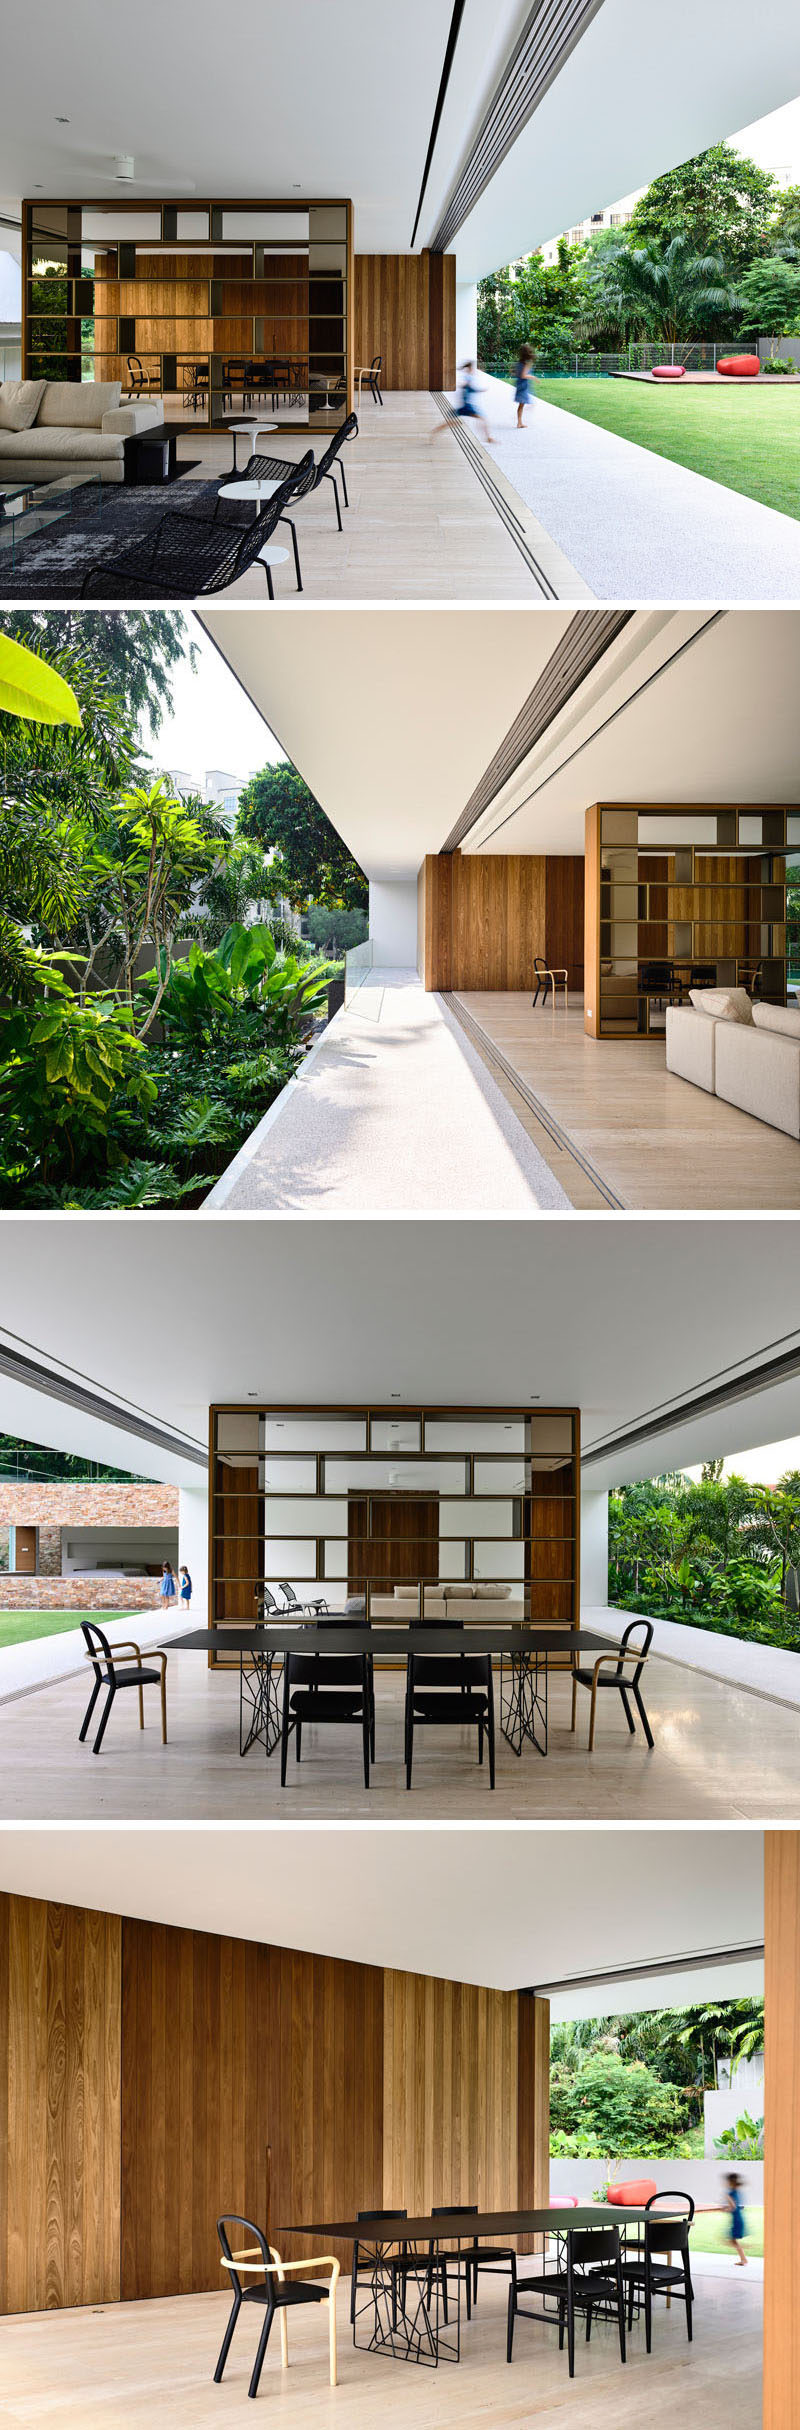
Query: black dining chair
(328, 1690)
(116, 1667)
(658, 980)
(141, 383)
(548, 980)
(623, 1672)
(465, 2262)
(449, 1691)
(374, 378)
(259, 2276)
(187, 556)
(649, 2276)
(369, 2251)
(590, 2281)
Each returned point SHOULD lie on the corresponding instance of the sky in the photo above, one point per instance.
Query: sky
(763, 1466)
(212, 723)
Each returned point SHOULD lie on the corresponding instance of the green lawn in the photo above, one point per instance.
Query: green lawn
(16, 1628)
(710, 2233)
(747, 438)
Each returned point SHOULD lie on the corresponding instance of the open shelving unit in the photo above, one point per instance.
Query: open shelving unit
(694, 894)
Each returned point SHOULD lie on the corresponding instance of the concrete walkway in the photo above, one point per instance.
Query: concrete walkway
(392, 1110)
(635, 525)
(766, 1670)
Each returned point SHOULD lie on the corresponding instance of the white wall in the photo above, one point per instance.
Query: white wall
(393, 923)
(703, 2179)
(193, 1545)
(594, 1548)
(466, 323)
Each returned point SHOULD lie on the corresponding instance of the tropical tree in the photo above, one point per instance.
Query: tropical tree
(309, 862)
(719, 202)
(769, 293)
(673, 295)
(134, 651)
(145, 862)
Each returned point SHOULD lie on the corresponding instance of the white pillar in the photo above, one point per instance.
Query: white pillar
(466, 323)
(393, 923)
(594, 1549)
(193, 1546)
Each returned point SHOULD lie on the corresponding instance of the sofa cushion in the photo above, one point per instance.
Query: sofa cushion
(759, 1072)
(724, 1003)
(784, 1018)
(690, 1046)
(19, 403)
(491, 1592)
(77, 404)
(69, 449)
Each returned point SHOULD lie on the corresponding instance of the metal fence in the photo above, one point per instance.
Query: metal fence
(699, 355)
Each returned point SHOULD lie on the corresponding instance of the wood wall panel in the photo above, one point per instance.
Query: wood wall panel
(533, 2108)
(451, 2071)
(153, 2078)
(481, 920)
(228, 2049)
(60, 2106)
(405, 311)
(781, 2128)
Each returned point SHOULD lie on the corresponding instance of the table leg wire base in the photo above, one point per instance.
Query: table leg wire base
(259, 1706)
(406, 2321)
(523, 1702)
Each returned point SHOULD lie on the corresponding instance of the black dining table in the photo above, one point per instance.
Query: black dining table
(524, 1652)
(401, 2307)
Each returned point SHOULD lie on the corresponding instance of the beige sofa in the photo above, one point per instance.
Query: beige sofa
(70, 427)
(481, 1602)
(753, 1064)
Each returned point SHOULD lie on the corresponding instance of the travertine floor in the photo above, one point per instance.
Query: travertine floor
(652, 1138)
(135, 2363)
(721, 1754)
(419, 524)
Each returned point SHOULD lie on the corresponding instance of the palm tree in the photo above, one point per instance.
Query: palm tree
(667, 295)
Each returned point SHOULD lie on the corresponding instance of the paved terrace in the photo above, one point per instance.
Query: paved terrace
(393, 1110)
(634, 525)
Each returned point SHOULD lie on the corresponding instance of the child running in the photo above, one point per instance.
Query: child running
(468, 408)
(737, 2228)
(523, 377)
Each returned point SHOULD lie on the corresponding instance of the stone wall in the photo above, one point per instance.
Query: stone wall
(34, 1505)
(93, 1594)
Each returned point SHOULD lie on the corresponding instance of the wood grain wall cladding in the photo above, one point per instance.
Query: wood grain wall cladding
(482, 920)
(451, 2064)
(405, 311)
(229, 2047)
(782, 2128)
(60, 2106)
(533, 2108)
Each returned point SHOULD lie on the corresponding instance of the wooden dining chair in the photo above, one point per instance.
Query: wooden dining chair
(621, 1671)
(120, 1666)
(275, 2286)
(548, 981)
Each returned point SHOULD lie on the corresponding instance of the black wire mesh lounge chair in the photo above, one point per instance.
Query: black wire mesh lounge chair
(189, 556)
(276, 468)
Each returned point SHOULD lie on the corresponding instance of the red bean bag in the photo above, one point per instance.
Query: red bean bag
(740, 366)
(669, 371)
(638, 2192)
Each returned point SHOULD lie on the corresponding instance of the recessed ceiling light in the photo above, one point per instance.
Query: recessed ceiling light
(62, 122)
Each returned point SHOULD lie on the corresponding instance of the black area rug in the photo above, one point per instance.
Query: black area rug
(52, 563)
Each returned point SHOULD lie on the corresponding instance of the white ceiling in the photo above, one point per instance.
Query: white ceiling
(645, 88)
(392, 717)
(608, 1314)
(340, 100)
(508, 1908)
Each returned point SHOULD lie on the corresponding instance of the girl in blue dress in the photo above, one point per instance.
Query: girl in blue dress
(737, 2228)
(468, 406)
(167, 1589)
(522, 384)
(186, 1587)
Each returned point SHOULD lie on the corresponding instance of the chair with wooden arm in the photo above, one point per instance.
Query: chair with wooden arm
(119, 1666)
(548, 980)
(609, 1671)
(276, 2286)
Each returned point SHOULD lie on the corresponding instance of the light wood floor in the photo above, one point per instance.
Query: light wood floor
(131, 2364)
(721, 1754)
(419, 525)
(626, 1123)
